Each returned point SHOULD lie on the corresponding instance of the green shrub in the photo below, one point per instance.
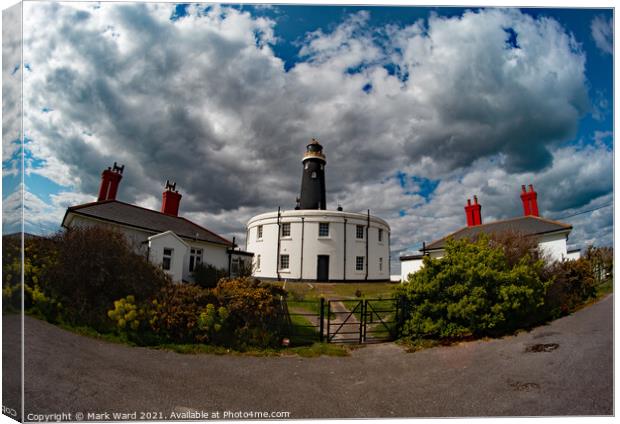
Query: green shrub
(211, 322)
(473, 291)
(238, 313)
(254, 310)
(39, 255)
(601, 260)
(573, 284)
(91, 268)
(176, 311)
(207, 276)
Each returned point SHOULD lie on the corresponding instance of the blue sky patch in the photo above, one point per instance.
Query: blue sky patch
(180, 10)
(511, 39)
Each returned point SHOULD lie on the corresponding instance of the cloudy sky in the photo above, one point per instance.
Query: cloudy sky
(418, 109)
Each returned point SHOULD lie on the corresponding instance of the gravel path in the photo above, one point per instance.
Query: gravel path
(571, 375)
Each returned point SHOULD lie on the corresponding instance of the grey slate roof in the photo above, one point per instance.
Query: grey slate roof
(526, 225)
(145, 219)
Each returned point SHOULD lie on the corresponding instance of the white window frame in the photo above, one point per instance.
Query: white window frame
(359, 229)
(380, 235)
(258, 262)
(281, 261)
(380, 264)
(195, 253)
(259, 232)
(359, 267)
(165, 256)
(286, 225)
(321, 225)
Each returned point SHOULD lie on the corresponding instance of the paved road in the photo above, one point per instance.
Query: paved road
(69, 373)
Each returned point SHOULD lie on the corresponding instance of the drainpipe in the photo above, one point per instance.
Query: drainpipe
(230, 258)
(367, 233)
(278, 251)
(344, 270)
(301, 263)
(389, 257)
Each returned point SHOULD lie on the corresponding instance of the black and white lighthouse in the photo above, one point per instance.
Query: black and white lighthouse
(313, 178)
(312, 243)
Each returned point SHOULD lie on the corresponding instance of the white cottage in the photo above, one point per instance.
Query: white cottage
(175, 243)
(312, 243)
(551, 236)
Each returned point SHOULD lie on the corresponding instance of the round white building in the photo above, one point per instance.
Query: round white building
(311, 243)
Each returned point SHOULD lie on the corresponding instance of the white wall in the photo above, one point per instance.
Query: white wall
(313, 245)
(180, 253)
(137, 239)
(409, 266)
(554, 246)
(212, 254)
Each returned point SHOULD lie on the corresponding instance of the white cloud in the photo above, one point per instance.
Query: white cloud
(205, 102)
(11, 89)
(603, 33)
(39, 216)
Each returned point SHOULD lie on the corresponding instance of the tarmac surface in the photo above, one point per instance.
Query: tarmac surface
(564, 368)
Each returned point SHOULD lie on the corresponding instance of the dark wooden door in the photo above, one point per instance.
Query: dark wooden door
(322, 268)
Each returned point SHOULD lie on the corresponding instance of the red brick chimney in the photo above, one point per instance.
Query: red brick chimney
(110, 179)
(473, 213)
(468, 213)
(476, 208)
(171, 199)
(530, 201)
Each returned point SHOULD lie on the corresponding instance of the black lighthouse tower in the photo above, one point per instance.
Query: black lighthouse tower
(313, 178)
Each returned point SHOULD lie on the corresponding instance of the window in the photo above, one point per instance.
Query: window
(259, 232)
(166, 261)
(284, 261)
(313, 175)
(359, 263)
(258, 262)
(380, 264)
(380, 235)
(359, 231)
(195, 259)
(323, 229)
(234, 266)
(286, 229)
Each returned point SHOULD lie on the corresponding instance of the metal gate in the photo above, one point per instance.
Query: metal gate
(362, 321)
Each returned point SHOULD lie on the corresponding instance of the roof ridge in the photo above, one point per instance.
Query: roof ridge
(206, 229)
(552, 221)
(78, 207)
(502, 221)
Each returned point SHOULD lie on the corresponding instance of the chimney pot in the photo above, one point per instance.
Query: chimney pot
(171, 200)
(110, 179)
(469, 213)
(530, 202)
(476, 212)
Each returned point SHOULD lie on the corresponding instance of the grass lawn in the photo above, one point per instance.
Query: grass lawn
(314, 291)
(604, 289)
(306, 345)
